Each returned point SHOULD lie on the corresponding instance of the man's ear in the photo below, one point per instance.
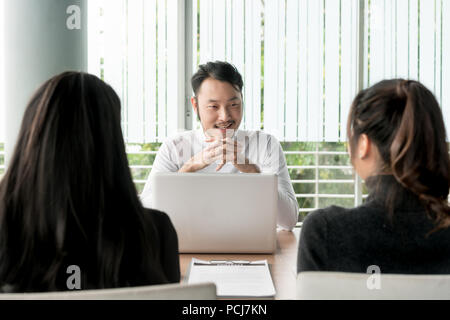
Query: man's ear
(364, 146)
(194, 104)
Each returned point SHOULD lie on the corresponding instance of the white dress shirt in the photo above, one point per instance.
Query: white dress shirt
(261, 149)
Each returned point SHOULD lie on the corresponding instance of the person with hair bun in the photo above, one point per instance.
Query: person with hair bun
(397, 144)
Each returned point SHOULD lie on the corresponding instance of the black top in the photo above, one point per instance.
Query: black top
(164, 267)
(168, 244)
(351, 240)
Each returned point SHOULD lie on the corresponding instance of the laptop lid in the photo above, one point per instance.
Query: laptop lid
(219, 212)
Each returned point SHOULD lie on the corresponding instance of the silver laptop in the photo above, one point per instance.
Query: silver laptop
(219, 212)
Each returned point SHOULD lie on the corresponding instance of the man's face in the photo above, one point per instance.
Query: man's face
(219, 106)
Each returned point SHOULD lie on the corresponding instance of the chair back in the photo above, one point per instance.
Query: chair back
(203, 291)
(313, 285)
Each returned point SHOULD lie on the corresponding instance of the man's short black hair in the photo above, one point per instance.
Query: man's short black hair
(219, 70)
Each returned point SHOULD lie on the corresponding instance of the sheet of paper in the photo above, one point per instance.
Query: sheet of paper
(234, 280)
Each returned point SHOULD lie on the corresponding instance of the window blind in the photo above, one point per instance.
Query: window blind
(310, 68)
(231, 30)
(308, 75)
(134, 45)
(298, 58)
(410, 39)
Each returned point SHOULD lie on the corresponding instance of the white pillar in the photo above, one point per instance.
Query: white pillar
(42, 39)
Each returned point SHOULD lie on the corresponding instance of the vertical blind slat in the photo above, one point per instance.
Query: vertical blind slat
(252, 71)
(256, 74)
(348, 61)
(315, 79)
(195, 26)
(162, 71)
(427, 45)
(281, 69)
(218, 27)
(321, 109)
(113, 37)
(271, 103)
(174, 66)
(446, 64)
(332, 78)
(303, 71)
(228, 29)
(205, 28)
(291, 65)
(389, 31)
(258, 85)
(150, 70)
(238, 44)
(437, 48)
(135, 83)
(195, 53)
(413, 39)
(94, 45)
(402, 39)
(378, 27)
(238, 47)
(248, 65)
(366, 56)
(253, 75)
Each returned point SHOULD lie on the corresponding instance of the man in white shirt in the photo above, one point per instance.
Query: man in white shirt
(219, 146)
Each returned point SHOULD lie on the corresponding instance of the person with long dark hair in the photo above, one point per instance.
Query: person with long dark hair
(397, 144)
(68, 199)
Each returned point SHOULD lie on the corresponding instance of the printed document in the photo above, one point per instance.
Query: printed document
(234, 278)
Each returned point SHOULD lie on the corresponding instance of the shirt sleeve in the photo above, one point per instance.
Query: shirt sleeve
(166, 160)
(312, 248)
(275, 162)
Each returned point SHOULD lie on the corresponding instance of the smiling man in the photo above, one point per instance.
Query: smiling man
(219, 146)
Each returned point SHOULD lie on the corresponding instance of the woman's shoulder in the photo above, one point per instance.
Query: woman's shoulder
(326, 214)
(160, 218)
(334, 218)
(162, 223)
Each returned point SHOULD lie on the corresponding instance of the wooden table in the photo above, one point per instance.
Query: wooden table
(283, 263)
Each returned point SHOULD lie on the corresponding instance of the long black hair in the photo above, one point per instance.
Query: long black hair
(404, 120)
(68, 197)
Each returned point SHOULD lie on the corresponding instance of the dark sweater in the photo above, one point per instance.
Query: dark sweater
(167, 243)
(351, 240)
(165, 267)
